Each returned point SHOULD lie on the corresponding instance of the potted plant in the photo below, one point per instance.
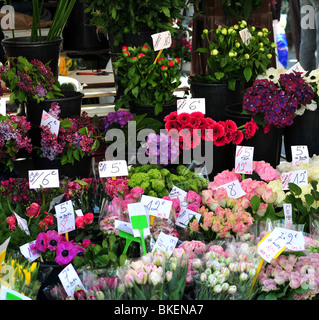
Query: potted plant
(234, 57)
(71, 149)
(148, 82)
(13, 131)
(36, 46)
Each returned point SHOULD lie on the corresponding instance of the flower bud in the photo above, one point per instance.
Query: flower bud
(232, 289)
(241, 266)
(70, 298)
(212, 280)
(218, 288)
(224, 31)
(169, 275)
(129, 280)
(80, 295)
(99, 295)
(121, 288)
(221, 278)
(246, 56)
(205, 31)
(233, 266)
(265, 30)
(269, 56)
(203, 277)
(252, 272)
(225, 271)
(243, 276)
(259, 34)
(208, 271)
(261, 49)
(237, 44)
(214, 52)
(225, 286)
(144, 49)
(197, 263)
(154, 278)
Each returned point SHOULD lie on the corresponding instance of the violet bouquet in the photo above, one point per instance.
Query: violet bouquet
(13, 138)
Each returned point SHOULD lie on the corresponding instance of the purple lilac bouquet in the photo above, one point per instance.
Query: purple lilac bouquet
(13, 138)
(77, 138)
(29, 80)
(162, 149)
(276, 104)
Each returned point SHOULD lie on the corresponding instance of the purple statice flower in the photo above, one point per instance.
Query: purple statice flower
(120, 117)
(162, 149)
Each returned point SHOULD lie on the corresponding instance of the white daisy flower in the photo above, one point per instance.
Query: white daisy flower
(272, 74)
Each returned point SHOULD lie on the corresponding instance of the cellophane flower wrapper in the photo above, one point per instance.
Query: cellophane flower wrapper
(155, 276)
(226, 271)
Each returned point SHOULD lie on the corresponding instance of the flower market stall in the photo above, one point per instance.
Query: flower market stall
(129, 206)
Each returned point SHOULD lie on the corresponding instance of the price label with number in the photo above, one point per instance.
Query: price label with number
(65, 217)
(70, 279)
(234, 189)
(113, 168)
(185, 216)
(294, 240)
(244, 159)
(180, 194)
(165, 243)
(271, 245)
(28, 253)
(288, 214)
(299, 154)
(298, 177)
(245, 36)
(161, 40)
(44, 178)
(123, 226)
(157, 207)
(52, 123)
(191, 105)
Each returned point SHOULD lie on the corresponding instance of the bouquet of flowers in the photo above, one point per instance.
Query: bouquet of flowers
(13, 138)
(29, 80)
(277, 101)
(77, 138)
(146, 80)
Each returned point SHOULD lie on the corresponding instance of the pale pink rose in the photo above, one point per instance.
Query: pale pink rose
(262, 209)
(295, 281)
(200, 247)
(269, 196)
(269, 285)
(194, 226)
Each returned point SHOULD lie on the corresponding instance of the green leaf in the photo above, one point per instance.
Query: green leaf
(247, 73)
(295, 189)
(255, 202)
(309, 199)
(219, 75)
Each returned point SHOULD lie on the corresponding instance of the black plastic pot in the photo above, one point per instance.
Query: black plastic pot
(304, 131)
(79, 34)
(217, 97)
(45, 51)
(81, 169)
(149, 110)
(267, 146)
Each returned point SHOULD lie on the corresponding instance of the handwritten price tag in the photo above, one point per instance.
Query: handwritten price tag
(44, 178)
(245, 36)
(52, 123)
(185, 217)
(157, 207)
(271, 245)
(162, 40)
(28, 253)
(288, 214)
(294, 240)
(70, 279)
(299, 154)
(116, 168)
(180, 194)
(298, 177)
(65, 217)
(165, 243)
(244, 159)
(233, 189)
(191, 105)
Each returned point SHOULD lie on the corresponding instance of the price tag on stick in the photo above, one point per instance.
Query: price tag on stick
(185, 216)
(65, 217)
(70, 279)
(179, 194)
(298, 177)
(288, 215)
(43, 178)
(165, 243)
(161, 40)
(113, 168)
(244, 160)
(234, 189)
(191, 105)
(157, 207)
(299, 154)
(49, 121)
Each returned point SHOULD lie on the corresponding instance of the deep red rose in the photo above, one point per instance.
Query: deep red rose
(34, 210)
(88, 218)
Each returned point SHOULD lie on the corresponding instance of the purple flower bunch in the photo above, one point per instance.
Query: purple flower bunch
(13, 137)
(278, 103)
(161, 148)
(55, 246)
(120, 117)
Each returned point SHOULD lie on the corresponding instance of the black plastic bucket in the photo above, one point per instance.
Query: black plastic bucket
(267, 146)
(45, 51)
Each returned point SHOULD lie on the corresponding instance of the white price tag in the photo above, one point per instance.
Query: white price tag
(65, 217)
(138, 209)
(185, 217)
(3, 107)
(298, 177)
(288, 214)
(245, 36)
(299, 154)
(123, 226)
(162, 40)
(113, 168)
(44, 178)
(180, 194)
(165, 243)
(233, 189)
(23, 224)
(294, 240)
(157, 207)
(298, 68)
(271, 245)
(79, 213)
(70, 279)
(191, 105)
(28, 253)
(244, 159)
(49, 121)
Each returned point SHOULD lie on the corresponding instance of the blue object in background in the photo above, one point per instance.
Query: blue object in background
(282, 49)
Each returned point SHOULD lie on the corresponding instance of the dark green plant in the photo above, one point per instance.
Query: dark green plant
(122, 17)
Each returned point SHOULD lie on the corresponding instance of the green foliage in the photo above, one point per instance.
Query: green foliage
(122, 17)
(230, 59)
